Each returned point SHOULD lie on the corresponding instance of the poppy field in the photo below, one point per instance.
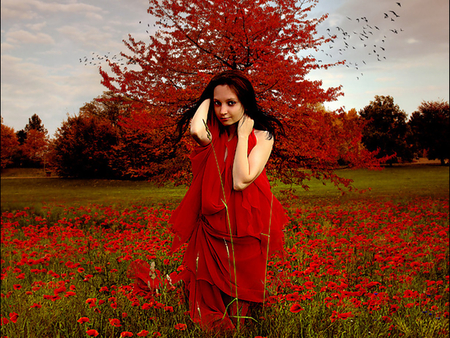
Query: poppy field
(355, 268)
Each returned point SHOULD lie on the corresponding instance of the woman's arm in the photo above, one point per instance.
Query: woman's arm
(198, 128)
(247, 168)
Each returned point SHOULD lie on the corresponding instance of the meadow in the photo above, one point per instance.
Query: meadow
(360, 265)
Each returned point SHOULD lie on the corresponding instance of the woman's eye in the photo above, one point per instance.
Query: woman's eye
(231, 103)
(216, 103)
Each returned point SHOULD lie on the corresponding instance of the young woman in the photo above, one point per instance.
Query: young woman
(229, 215)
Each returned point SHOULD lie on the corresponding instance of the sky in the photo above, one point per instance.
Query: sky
(45, 45)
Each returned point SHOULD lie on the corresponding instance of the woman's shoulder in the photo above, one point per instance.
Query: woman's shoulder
(263, 136)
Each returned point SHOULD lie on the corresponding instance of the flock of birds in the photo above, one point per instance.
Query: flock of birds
(370, 40)
(369, 37)
(96, 59)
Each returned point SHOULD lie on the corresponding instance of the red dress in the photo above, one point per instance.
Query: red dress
(220, 267)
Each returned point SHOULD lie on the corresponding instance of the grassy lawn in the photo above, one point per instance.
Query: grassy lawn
(396, 182)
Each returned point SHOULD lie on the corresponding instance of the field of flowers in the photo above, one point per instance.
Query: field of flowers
(360, 268)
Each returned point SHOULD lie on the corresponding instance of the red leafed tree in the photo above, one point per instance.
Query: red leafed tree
(35, 145)
(9, 144)
(270, 41)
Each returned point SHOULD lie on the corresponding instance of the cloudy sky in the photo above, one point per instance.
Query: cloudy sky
(403, 53)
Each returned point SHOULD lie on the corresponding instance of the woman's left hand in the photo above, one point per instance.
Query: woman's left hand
(245, 126)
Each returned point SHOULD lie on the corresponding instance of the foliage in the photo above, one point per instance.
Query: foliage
(194, 41)
(143, 146)
(35, 146)
(82, 147)
(386, 130)
(361, 268)
(431, 130)
(9, 145)
(33, 141)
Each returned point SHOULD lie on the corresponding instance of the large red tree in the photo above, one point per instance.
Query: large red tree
(269, 40)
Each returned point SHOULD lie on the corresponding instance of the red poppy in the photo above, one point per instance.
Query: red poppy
(295, 308)
(143, 333)
(83, 320)
(292, 297)
(180, 327)
(17, 286)
(345, 315)
(92, 333)
(115, 322)
(13, 317)
(126, 334)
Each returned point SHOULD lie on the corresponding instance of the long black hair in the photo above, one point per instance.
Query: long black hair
(243, 88)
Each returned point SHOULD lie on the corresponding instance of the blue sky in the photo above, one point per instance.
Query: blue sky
(42, 42)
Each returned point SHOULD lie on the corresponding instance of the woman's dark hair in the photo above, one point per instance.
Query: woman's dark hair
(243, 88)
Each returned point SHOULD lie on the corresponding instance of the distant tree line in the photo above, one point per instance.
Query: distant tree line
(110, 138)
(425, 134)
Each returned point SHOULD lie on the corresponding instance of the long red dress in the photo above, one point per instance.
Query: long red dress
(220, 267)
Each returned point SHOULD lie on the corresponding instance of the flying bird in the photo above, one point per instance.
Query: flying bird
(395, 14)
(399, 4)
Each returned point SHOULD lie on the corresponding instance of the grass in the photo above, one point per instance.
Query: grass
(395, 182)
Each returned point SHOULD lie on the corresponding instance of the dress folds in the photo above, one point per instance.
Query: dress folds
(228, 232)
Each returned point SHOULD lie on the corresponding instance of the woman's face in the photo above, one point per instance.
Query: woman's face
(227, 107)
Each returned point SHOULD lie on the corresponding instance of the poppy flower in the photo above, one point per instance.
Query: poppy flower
(126, 334)
(83, 320)
(295, 308)
(115, 322)
(345, 315)
(13, 317)
(143, 333)
(92, 333)
(180, 326)
(17, 286)
(292, 297)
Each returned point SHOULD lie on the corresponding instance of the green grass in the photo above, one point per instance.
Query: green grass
(395, 182)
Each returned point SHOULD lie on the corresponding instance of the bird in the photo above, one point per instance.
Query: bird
(399, 4)
(395, 14)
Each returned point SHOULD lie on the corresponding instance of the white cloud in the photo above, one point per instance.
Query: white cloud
(25, 37)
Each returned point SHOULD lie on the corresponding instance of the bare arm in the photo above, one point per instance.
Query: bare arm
(198, 129)
(247, 168)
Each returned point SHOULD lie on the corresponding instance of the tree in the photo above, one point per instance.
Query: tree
(82, 147)
(9, 144)
(33, 142)
(386, 129)
(35, 146)
(430, 129)
(198, 38)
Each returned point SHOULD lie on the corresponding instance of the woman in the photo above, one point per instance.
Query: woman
(229, 215)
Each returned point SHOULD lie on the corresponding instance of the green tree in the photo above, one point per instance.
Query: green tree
(430, 129)
(386, 129)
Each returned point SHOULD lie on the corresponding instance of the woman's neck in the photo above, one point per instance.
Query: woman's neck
(231, 131)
